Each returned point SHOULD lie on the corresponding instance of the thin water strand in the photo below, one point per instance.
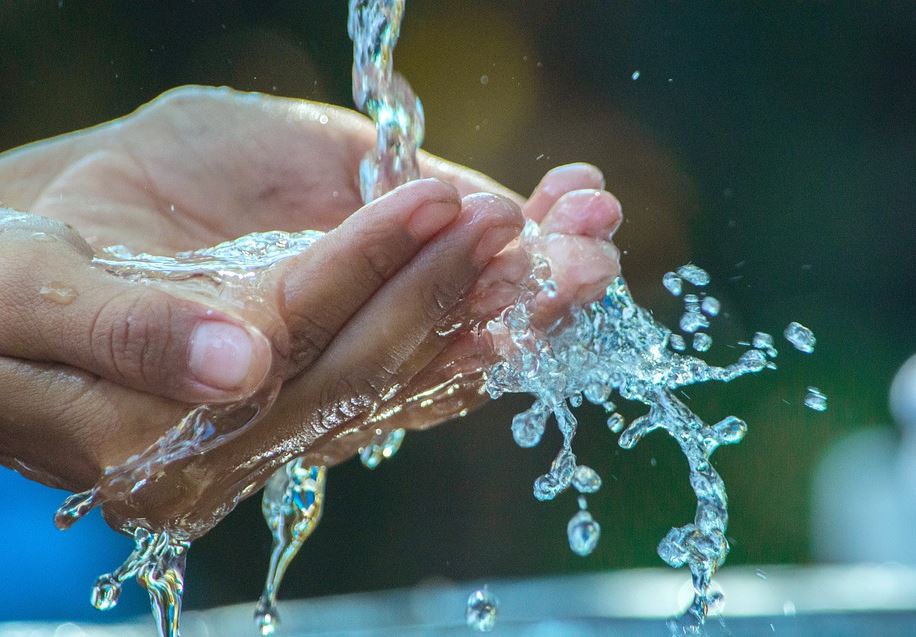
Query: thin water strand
(292, 505)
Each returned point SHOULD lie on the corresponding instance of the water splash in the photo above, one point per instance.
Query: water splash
(157, 562)
(616, 346)
(292, 506)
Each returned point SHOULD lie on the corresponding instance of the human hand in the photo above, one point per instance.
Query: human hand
(137, 167)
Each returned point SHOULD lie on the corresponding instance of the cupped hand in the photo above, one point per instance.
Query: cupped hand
(87, 381)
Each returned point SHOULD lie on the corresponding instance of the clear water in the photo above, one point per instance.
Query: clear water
(615, 347)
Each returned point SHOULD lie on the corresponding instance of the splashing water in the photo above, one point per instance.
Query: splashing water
(614, 345)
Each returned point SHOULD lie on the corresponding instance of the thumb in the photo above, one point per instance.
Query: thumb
(55, 306)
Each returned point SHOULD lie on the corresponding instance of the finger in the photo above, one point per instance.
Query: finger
(62, 426)
(582, 268)
(465, 180)
(326, 285)
(557, 183)
(587, 212)
(56, 307)
(371, 353)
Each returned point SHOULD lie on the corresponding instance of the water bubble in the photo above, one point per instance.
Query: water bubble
(702, 341)
(694, 274)
(672, 283)
(583, 533)
(106, 592)
(815, 399)
(677, 343)
(801, 337)
(692, 321)
(711, 306)
(58, 292)
(481, 610)
(528, 427)
(586, 480)
(616, 423)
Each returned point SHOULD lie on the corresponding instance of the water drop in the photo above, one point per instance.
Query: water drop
(815, 399)
(677, 343)
(692, 321)
(702, 342)
(583, 533)
(58, 292)
(528, 426)
(106, 592)
(801, 337)
(586, 479)
(672, 283)
(484, 80)
(635, 75)
(481, 610)
(711, 306)
(616, 423)
(762, 574)
(694, 275)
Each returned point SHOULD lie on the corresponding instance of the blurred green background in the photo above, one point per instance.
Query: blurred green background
(771, 143)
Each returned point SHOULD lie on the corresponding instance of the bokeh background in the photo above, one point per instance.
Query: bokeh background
(771, 143)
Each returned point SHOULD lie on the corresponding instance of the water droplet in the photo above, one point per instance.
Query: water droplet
(762, 574)
(677, 342)
(583, 533)
(788, 608)
(694, 275)
(815, 399)
(692, 321)
(528, 426)
(481, 610)
(702, 342)
(616, 423)
(672, 283)
(266, 618)
(801, 337)
(711, 306)
(484, 80)
(106, 592)
(58, 292)
(635, 75)
(586, 479)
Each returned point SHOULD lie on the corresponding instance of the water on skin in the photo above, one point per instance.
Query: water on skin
(58, 292)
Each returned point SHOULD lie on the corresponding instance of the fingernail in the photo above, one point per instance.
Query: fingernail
(221, 354)
(492, 241)
(431, 217)
(571, 177)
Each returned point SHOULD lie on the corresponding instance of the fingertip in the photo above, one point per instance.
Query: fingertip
(589, 212)
(558, 182)
(226, 361)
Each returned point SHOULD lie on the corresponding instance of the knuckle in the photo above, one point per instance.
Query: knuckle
(308, 339)
(343, 399)
(133, 338)
(378, 255)
(438, 299)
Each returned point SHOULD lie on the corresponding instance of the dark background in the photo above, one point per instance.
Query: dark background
(771, 143)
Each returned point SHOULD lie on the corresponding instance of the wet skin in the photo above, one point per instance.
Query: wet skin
(351, 327)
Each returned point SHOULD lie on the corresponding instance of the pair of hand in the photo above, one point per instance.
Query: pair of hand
(94, 368)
